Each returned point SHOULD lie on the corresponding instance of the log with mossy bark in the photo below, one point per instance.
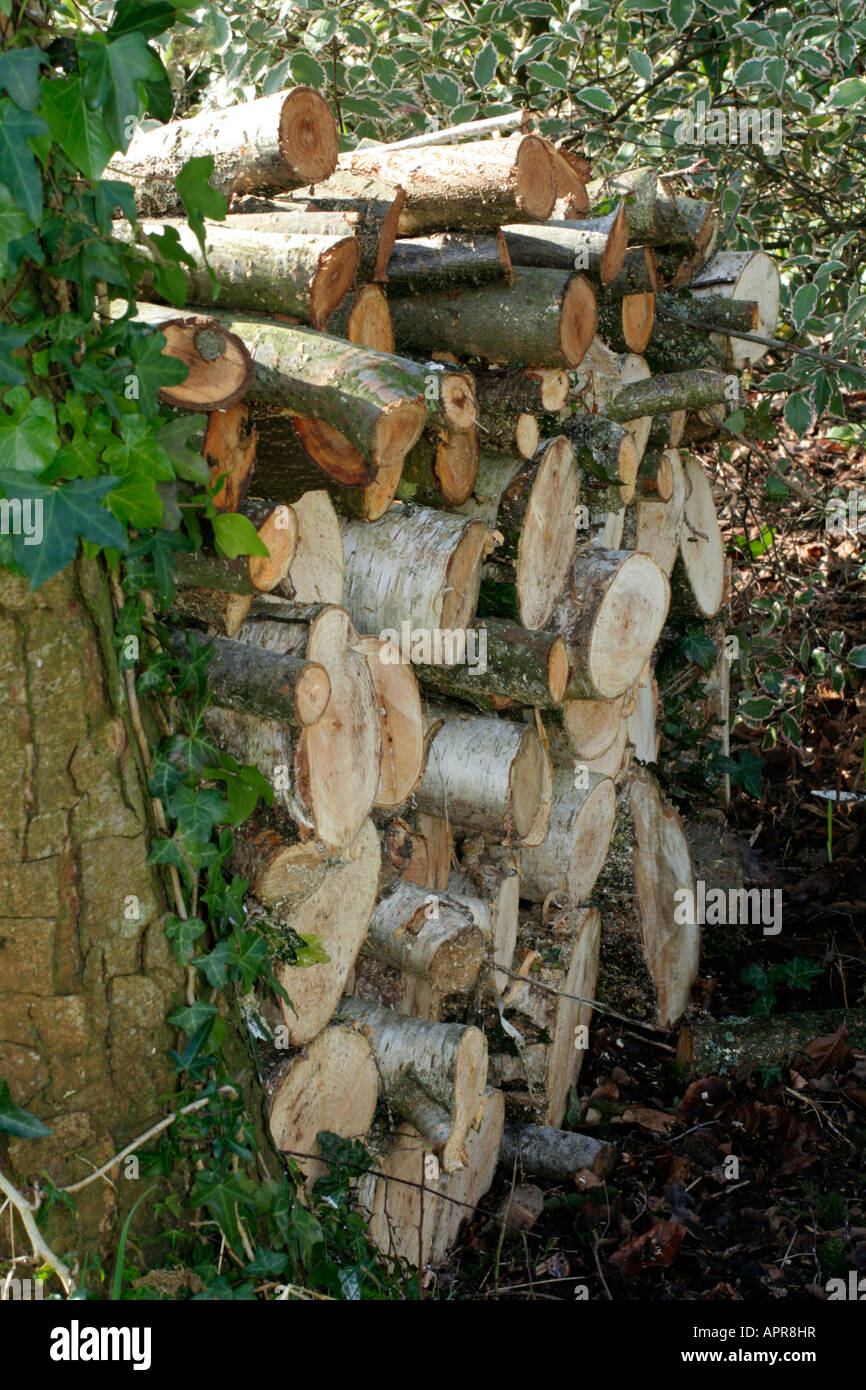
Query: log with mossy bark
(594, 246)
(472, 187)
(484, 774)
(551, 1009)
(415, 567)
(698, 578)
(377, 203)
(557, 1155)
(606, 460)
(358, 411)
(638, 274)
(625, 322)
(546, 319)
(326, 777)
(601, 377)
(270, 684)
(365, 319)
(328, 1086)
(219, 610)
(532, 507)
(740, 276)
(267, 145)
(420, 265)
(220, 368)
(285, 469)
(516, 666)
(610, 612)
(281, 867)
(368, 228)
(441, 469)
(509, 403)
(271, 272)
(401, 720)
(663, 393)
(432, 1074)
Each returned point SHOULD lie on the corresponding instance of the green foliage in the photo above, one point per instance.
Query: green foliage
(796, 973)
(17, 1122)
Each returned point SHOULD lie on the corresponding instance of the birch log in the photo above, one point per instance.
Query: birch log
(569, 860)
(401, 720)
(698, 582)
(438, 941)
(749, 275)
(432, 1074)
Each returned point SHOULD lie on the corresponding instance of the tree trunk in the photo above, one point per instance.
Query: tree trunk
(547, 319)
(264, 146)
(473, 187)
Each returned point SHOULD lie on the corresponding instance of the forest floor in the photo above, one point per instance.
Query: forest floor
(675, 1219)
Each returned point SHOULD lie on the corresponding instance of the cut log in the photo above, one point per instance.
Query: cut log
(639, 274)
(547, 319)
(265, 683)
(604, 375)
(557, 1155)
(642, 719)
(402, 723)
(337, 913)
(264, 146)
(698, 582)
(654, 526)
(564, 963)
(656, 217)
(432, 1074)
(280, 867)
(438, 835)
(230, 451)
(662, 394)
(515, 666)
(399, 1198)
(452, 134)
(285, 469)
(656, 476)
(317, 570)
(535, 516)
(611, 613)
(508, 402)
(614, 761)
(376, 202)
(464, 1190)
(492, 895)
(437, 940)
(365, 319)
(217, 609)
(276, 525)
(274, 272)
(625, 322)
(704, 424)
(419, 265)
(591, 726)
(667, 431)
(721, 1046)
(569, 861)
(330, 1086)
(326, 778)
(414, 566)
(604, 451)
(595, 247)
(441, 469)
(364, 223)
(473, 187)
(487, 775)
(220, 366)
(663, 867)
(742, 275)
(359, 411)
(572, 172)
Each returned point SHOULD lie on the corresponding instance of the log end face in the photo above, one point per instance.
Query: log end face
(536, 178)
(308, 137)
(312, 693)
(578, 320)
(627, 625)
(333, 279)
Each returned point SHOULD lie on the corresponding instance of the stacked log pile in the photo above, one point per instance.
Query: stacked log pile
(451, 392)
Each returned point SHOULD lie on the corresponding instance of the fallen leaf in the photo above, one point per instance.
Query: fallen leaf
(657, 1247)
(656, 1121)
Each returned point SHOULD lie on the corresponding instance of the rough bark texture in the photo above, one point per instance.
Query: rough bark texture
(419, 265)
(376, 203)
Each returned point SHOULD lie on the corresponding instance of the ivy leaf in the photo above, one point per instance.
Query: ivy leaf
(19, 75)
(115, 75)
(235, 535)
(198, 198)
(184, 932)
(137, 451)
(68, 512)
(173, 438)
(153, 368)
(197, 810)
(17, 1122)
(221, 1196)
(10, 339)
(215, 965)
(252, 953)
(28, 432)
(77, 128)
(136, 501)
(484, 67)
(193, 1017)
(14, 223)
(19, 170)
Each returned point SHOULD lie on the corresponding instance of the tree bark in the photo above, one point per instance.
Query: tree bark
(557, 1155)
(439, 942)
(364, 223)
(595, 247)
(376, 202)
(569, 860)
(265, 683)
(419, 265)
(519, 667)
(662, 394)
